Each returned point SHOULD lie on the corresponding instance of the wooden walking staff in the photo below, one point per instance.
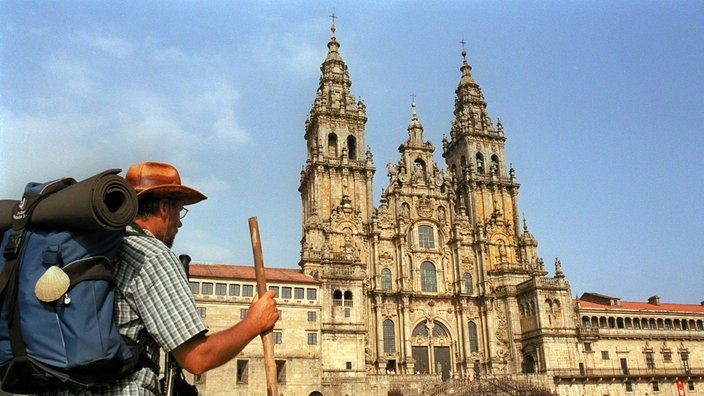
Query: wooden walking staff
(268, 336)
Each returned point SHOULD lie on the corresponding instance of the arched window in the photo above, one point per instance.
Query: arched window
(528, 364)
(385, 279)
(389, 337)
(337, 298)
(352, 147)
(480, 163)
(332, 145)
(426, 238)
(348, 299)
(428, 283)
(454, 170)
(473, 339)
(463, 163)
(585, 322)
(557, 310)
(467, 279)
(495, 164)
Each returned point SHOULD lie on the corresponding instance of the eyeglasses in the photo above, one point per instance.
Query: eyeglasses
(183, 213)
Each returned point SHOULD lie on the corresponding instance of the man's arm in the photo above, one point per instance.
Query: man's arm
(205, 352)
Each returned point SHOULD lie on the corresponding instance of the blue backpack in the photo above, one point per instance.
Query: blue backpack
(57, 287)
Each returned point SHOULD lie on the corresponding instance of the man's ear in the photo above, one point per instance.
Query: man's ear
(164, 208)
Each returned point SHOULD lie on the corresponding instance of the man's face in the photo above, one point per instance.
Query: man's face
(172, 223)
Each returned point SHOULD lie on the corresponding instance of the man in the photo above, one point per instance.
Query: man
(155, 299)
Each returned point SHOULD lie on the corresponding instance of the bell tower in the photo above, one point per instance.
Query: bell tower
(486, 189)
(336, 193)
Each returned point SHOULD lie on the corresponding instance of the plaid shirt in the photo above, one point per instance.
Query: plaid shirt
(154, 296)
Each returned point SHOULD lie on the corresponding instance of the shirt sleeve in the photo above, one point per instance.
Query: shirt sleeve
(165, 302)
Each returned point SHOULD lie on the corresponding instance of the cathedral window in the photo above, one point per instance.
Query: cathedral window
(649, 361)
(684, 357)
(495, 164)
(426, 238)
(281, 371)
(480, 163)
(467, 279)
(242, 371)
(312, 338)
(428, 281)
(385, 279)
(352, 147)
(332, 145)
(337, 298)
(347, 299)
(389, 338)
(473, 339)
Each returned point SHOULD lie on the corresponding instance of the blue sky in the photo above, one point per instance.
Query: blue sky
(601, 103)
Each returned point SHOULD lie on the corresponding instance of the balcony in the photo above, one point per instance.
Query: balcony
(598, 374)
(587, 333)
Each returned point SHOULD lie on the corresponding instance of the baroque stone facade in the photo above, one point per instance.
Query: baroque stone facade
(442, 280)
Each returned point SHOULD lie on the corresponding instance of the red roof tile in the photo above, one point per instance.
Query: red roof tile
(644, 306)
(226, 271)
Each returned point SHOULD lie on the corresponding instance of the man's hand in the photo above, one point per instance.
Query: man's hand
(262, 311)
(205, 352)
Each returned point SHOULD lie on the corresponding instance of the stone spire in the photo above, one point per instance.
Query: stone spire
(415, 129)
(333, 96)
(471, 117)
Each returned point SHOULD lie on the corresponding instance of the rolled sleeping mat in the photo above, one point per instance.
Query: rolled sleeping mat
(6, 207)
(104, 201)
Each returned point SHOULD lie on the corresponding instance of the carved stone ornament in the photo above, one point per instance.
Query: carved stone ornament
(424, 207)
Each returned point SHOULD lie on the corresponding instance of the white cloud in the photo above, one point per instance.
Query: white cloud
(112, 45)
(91, 116)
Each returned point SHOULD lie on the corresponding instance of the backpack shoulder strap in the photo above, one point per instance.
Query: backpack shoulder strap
(9, 278)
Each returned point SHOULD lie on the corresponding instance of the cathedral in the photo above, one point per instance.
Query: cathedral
(438, 289)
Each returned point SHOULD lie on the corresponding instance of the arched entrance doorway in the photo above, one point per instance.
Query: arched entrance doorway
(430, 347)
(528, 364)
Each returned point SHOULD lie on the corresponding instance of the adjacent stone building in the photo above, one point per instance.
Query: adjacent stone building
(442, 281)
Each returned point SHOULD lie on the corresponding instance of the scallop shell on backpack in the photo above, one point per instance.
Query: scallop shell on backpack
(52, 285)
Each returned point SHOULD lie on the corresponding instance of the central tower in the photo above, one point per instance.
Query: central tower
(336, 191)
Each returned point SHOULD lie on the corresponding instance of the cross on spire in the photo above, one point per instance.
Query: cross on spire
(464, 51)
(333, 16)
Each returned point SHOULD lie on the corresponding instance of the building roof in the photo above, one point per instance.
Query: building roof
(240, 272)
(638, 306)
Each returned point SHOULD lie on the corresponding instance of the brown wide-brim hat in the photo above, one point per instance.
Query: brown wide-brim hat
(157, 180)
